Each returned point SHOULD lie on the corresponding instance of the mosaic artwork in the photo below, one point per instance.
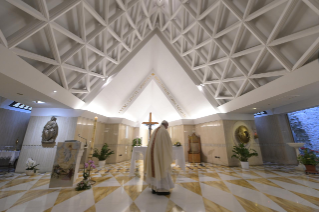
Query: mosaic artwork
(206, 188)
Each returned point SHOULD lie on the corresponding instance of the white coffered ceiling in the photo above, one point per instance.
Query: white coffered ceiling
(231, 46)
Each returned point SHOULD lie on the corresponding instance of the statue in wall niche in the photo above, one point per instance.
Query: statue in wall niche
(242, 134)
(50, 131)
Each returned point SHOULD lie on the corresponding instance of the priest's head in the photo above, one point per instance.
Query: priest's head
(165, 124)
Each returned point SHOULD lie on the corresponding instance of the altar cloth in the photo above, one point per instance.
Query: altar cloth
(139, 153)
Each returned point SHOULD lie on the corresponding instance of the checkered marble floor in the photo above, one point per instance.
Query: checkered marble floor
(199, 188)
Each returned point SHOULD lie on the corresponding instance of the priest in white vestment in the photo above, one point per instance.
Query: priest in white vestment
(158, 160)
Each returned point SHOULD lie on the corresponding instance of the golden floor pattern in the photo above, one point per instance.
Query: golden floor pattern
(206, 188)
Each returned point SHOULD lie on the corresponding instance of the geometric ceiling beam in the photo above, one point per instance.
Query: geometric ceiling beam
(63, 8)
(248, 51)
(28, 9)
(269, 74)
(33, 56)
(231, 91)
(248, 8)
(67, 32)
(63, 78)
(313, 4)
(171, 18)
(3, 39)
(48, 71)
(228, 29)
(237, 39)
(96, 62)
(281, 21)
(224, 97)
(208, 10)
(88, 83)
(43, 8)
(76, 80)
(119, 39)
(257, 61)
(233, 9)
(52, 42)
(25, 33)
(94, 33)
(280, 57)
(265, 9)
(97, 51)
(310, 51)
(295, 36)
(67, 55)
(93, 12)
(218, 18)
(78, 90)
(81, 70)
(82, 27)
(241, 88)
(232, 79)
(254, 83)
(256, 32)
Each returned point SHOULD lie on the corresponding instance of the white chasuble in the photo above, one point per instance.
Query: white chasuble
(158, 160)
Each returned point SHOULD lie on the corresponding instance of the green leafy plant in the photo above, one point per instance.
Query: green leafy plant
(242, 153)
(308, 156)
(105, 152)
(137, 142)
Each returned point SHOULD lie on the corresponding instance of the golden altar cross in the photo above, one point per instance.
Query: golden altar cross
(150, 123)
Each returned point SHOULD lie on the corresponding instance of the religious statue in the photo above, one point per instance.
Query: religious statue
(242, 134)
(50, 131)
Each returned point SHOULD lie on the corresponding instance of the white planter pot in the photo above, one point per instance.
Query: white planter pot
(31, 172)
(101, 163)
(244, 165)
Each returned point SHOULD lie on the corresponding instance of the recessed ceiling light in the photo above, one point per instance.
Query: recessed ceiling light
(54, 91)
(254, 108)
(38, 102)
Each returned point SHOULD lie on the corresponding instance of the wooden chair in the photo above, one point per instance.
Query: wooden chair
(194, 149)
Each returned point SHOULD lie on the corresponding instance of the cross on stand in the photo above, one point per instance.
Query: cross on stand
(150, 123)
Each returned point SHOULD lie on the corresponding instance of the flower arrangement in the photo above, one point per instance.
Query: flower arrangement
(242, 153)
(105, 152)
(308, 156)
(85, 183)
(31, 165)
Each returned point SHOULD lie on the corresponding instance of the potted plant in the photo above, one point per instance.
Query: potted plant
(105, 153)
(308, 158)
(31, 167)
(85, 183)
(243, 154)
(137, 142)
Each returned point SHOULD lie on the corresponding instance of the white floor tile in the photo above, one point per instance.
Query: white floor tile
(110, 182)
(78, 203)
(282, 193)
(147, 201)
(223, 198)
(7, 202)
(254, 196)
(187, 199)
(38, 204)
(117, 201)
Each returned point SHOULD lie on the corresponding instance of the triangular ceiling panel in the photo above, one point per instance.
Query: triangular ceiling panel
(153, 97)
